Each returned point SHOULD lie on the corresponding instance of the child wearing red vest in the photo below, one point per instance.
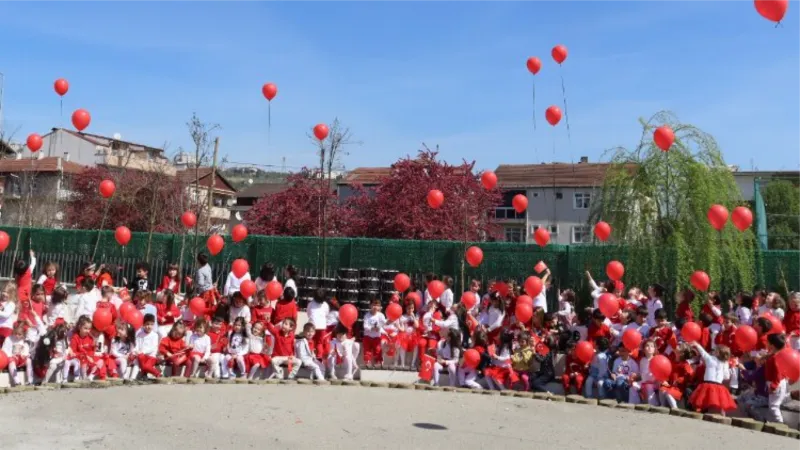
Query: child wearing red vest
(49, 278)
(23, 276)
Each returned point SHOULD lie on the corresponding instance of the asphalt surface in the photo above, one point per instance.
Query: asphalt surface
(338, 417)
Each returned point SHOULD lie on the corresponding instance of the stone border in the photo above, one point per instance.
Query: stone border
(777, 429)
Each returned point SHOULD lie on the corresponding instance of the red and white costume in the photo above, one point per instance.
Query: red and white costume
(146, 351)
(711, 393)
(318, 316)
(373, 329)
(19, 354)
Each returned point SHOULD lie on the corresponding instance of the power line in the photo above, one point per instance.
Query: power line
(273, 166)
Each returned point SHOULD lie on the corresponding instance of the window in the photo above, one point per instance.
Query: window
(559, 195)
(535, 194)
(581, 234)
(582, 200)
(552, 229)
(514, 234)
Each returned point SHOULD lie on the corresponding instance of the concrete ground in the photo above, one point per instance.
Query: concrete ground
(316, 417)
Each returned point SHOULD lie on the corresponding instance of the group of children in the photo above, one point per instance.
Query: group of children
(478, 342)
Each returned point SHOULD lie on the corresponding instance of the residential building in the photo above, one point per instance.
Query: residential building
(246, 198)
(33, 191)
(93, 150)
(746, 179)
(560, 197)
(200, 184)
(366, 177)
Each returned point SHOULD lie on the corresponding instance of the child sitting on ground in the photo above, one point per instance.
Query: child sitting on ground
(598, 370)
(283, 350)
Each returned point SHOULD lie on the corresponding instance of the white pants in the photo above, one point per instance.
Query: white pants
(776, 399)
(73, 364)
(650, 393)
(239, 364)
(668, 400)
(467, 377)
(215, 362)
(349, 361)
(53, 368)
(316, 370)
(451, 370)
(12, 373)
(277, 370)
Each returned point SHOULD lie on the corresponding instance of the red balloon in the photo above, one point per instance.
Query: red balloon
(553, 115)
(3, 360)
(135, 318)
(269, 90)
(664, 137)
(691, 332)
(274, 290)
(189, 219)
(524, 299)
(742, 218)
(700, 280)
(584, 351)
(122, 235)
(414, 297)
(717, 216)
(435, 198)
(107, 188)
(745, 337)
(436, 289)
(608, 304)
(348, 315)
(61, 86)
(602, 230)
(125, 309)
(469, 300)
(81, 119)
(240, 267)
(520, 203)
(523, 312)
(34, 142)
(197, 306)
(660, 367)
(631, 339)
(559, 53)
(215, 244)
(393, 312)
(248, 288)
(489, 180)
(472, 358)
(5, 239)
(540, 267)
(615, 270)
(541, 236)
(239, 233)
(321, 131)
(533, 286)
(534, 65)
(773, 10)
(788, 361)
(401, 282)
(777, 325)
(102, 318)
(500, 287)
(474, 256)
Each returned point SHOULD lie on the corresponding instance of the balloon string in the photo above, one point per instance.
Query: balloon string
(269, 122)
(566, 114)
(534, 104)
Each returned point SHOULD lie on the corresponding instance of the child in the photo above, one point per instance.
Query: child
(640, 322)
(494, 319)
(644, 387)
(713, 307)
(88, 296)
(237, 349)
(172, 349)
(318, 310)
(777, 383)
(260, 310)
(144, 301)
(670, 393)
(448, 353)
(580, 330)
(106, 276)
(147, 344)
(662, 334)
(57, 311)
(266, 275)
(305, 352)
(239, 309)
(52, 351)
(49, 277)
(122, 348)
(711, 395)
(171, 281)
(446, 299)
(409, 335)
(598, 328)
(685, 306)
(8, 310)
(428, 336)
(344, 351)
(544, 354)
(23, 276)
(624, 370)
(374, 321)
(655, 291)
(467, 376)
(575, 371)
(744, 309)
(98, 368)
(290, 273)
(791, 321)
(81, 348)
(566, 308)
(140, 281)
(219, 342)
(87, 271)
(19, 354)
(286, 307)
(598, 370)
(199, 348)
(257, 357)
(283, 351)
(233, 283)
(167, 312)
(522, 357)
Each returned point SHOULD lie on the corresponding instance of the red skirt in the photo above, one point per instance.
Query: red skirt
(407, 341)
(251, 359)
(673, 391)
(502, 375)
(712, 395)
(390, 341)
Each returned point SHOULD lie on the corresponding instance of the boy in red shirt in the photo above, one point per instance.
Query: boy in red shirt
(598, 327)
(219, 341)
(286, 308)
(777, 385)
(23, 276)
(283, 349)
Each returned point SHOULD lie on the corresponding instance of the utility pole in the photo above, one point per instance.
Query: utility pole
(211, 184)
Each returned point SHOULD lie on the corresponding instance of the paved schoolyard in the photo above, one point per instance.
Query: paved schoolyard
(316, 417)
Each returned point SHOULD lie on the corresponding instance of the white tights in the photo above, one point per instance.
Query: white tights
(451, 370)
(468, 377)
(239, 363)
(12, 372)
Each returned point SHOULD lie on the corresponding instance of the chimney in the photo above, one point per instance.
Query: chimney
(584, 160)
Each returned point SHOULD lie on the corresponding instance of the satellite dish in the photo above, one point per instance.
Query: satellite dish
(249, 181)
(238, 216)
(117, 136)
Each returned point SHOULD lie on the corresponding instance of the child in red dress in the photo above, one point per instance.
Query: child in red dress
(49, 277)
(81, 347)
(171, 281)
(671, 392)
(173, 350)
(575, 371)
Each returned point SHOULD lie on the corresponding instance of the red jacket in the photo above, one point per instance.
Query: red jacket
(726, 337)
(594, 332)
(24, 282)
(710, 311)
(49, 285)
(682, 374)
(163, 318)
(171, 345)
(219, 341)
(664, 338)
(685, 311)
(165, 284)
(284, 344)
(284, 309)
(260, 314)
(82, 346)
(772, 373)
(791, 322)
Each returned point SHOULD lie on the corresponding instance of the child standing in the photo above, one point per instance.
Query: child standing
(655, 291)
(624, 370)
(122, 348)
(88, 296)
(8, 311)
(23, 276)
(374, 321)
(777, 383)
(305, 353)
(147, 343)
(685, 306)
(233, 283)
(447, 355)
(317, 311)
(19, 354)
(711, 395)
(409, 336)
(791, 321)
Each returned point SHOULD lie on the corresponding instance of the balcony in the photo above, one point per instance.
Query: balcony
(508, 213)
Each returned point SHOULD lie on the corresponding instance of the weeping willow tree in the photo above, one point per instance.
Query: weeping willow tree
(657, 203)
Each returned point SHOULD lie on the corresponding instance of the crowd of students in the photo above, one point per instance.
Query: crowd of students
(478, 341)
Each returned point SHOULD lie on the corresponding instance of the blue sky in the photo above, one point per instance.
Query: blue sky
(399, 74)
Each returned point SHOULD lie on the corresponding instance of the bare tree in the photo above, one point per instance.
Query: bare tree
(202, 136)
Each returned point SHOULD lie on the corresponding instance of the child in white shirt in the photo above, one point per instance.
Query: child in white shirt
(374, 321)
(344, 351)
(305, 353)
(122, 348)
(622, 373)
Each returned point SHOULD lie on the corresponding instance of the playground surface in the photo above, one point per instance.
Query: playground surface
(314, 417)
